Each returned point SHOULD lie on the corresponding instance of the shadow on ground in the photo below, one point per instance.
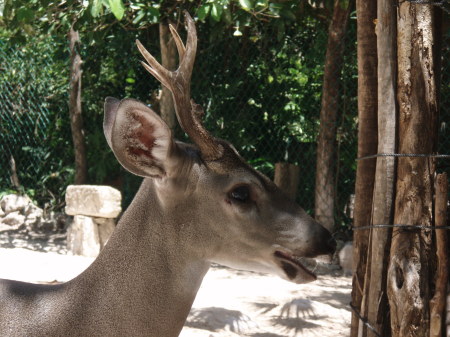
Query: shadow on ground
(215, 319)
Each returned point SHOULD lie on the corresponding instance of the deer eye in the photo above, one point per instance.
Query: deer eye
(240, 194)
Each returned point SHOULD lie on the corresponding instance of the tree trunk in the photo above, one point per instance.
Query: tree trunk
(287, 177)
(374, 303)
(169, 61)
(367, 145)
(76, 119)
(326, 145)
(411, 260)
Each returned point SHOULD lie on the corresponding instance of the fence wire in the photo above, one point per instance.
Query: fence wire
(24, 116)
(262, 94)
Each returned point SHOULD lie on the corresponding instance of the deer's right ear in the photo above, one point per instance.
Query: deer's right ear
(141, 141)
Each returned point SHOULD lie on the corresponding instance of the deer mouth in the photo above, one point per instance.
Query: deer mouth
(294, 269)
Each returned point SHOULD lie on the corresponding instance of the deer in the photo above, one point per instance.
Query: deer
(198, 204)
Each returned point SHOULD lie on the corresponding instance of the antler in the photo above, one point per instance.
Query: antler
(179, 83)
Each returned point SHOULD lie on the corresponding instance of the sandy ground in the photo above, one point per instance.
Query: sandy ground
(230, 303)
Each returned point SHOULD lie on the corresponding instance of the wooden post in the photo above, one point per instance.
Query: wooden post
(412, 259)
(374, 302)
(367, 145)
(437, 304)
(287, 178)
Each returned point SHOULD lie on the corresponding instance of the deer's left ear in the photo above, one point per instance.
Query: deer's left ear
(139, 138)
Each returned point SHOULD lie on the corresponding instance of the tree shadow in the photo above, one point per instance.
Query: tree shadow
(335, 299)
(39, 242)
(297, 315)
(299, 307)
(215, 319)
(294, 324)
(264, 307)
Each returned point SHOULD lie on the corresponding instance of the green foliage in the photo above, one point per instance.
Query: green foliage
(258, 75)
(33, 131)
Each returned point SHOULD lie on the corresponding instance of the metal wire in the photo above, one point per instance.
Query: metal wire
(407, 155)
(407, 227)
(364, 320)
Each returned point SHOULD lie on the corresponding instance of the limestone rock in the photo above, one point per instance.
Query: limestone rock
(95, 201)
(33, 216)
(14, 202)
(12, 221)
(82, 237)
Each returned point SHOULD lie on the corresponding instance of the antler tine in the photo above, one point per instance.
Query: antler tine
(188, 112)
(179, 83)
(187, 62)
(153, 66)
(180, 45)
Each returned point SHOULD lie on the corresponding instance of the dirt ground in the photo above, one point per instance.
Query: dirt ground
(230, 303)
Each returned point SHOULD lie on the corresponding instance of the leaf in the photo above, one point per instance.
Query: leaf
(153, 14)
(25, 14)
(246, 4)
(203, 11)
(139, 17)
(275, 9)
(117, 8)
(96, 8)
(216, 11)
(262, 3)
(288, 14)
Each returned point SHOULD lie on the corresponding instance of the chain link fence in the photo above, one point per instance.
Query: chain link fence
(262, 94)
(30, 140)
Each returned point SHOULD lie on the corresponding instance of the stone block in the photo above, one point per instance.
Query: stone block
(105, 228)
(95, 201)
(82, 237)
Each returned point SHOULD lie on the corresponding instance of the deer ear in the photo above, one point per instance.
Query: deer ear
(139, 138)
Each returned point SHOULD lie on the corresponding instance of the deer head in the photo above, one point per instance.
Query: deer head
(228, 212)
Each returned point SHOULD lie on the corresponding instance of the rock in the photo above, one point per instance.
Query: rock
(14, 220)
(82, 237)
(14, 202)
(46, 225)
(95, 201)
(34, 216)
(62, 221)
(2, 214)
(32, 223)
(105, 228)
(346, 258)
(5, 228)
(33, 211)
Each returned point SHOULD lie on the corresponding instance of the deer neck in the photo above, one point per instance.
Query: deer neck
(152, 255)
